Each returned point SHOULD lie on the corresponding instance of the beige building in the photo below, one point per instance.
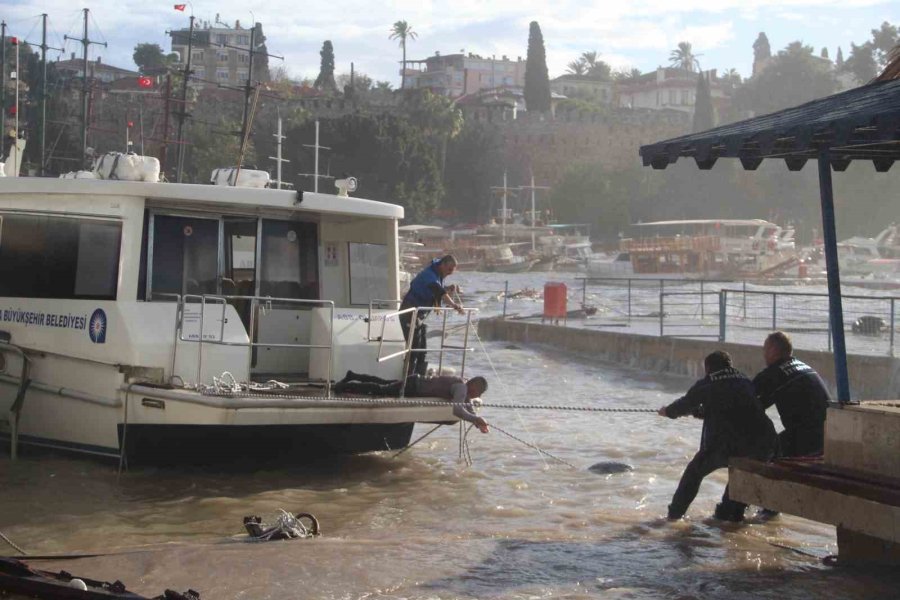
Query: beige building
(669, 88)
(455, 75)
(584, 87)
(220, 54)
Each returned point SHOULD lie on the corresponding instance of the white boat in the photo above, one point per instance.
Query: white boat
(137, 306)
(700, 249)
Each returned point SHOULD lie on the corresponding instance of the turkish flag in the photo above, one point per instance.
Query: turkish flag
(180, 7)
(145, 82)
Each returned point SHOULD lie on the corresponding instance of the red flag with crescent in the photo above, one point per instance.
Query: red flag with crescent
(180, 7)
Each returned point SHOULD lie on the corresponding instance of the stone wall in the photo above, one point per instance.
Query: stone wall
(871, 377)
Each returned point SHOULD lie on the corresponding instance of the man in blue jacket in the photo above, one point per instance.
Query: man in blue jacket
(734, 424)
(426, 291)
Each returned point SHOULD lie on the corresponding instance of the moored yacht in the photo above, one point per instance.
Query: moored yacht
(180, 323)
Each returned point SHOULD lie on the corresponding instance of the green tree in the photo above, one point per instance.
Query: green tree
(839, 59)
(588, 193)
(704, 117)
(883, 41)
(792, 77)
(150, 58)
(861, 63)
(683, 57)
(325, 80)
(626, 75)
(577, 67)
(402, 31)
(537, 81)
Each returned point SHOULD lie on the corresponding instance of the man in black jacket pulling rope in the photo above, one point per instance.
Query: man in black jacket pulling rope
(734, 424)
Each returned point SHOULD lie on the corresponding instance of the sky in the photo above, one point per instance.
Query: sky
(627, 33)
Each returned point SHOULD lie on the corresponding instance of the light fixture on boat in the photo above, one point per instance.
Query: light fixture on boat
(345, 186)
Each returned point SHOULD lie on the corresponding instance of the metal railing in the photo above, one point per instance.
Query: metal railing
(408, 349)
(251, 330)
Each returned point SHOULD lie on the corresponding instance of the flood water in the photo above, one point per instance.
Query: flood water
(424, 525)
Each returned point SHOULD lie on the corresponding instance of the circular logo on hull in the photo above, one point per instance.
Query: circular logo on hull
(97, 327)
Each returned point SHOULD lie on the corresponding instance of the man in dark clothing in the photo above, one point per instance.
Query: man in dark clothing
(798, 393)
(734, 424)
(452, 388)
(426, 290)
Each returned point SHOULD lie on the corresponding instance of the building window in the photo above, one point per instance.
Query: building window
(222, 56)
(221, 38)
(243, 58)
(222, 74)
(243, 75)
(685, 97)
(673, 97)
(200, 73)
(243, 40)
(198, 56)
(43, 256)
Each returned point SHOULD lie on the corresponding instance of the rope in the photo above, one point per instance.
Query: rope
(540, 450)
(11, 543)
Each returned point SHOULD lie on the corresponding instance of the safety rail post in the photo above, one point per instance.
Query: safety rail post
(829, 335)
(745, 300)
(443, 340)
(723, 307)
(702, 315)
(629, 299)
(462, 370)
(661, 313)
(200, 345)
(892, 327)
(774, 311)
(583, 292)
(505, 296)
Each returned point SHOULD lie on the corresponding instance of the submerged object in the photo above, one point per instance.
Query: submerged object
(609, 468)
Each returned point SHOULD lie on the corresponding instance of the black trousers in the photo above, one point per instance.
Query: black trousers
(417, 363)
(370, 385)
(703, 463)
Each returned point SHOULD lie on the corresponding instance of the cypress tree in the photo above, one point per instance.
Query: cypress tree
(839, 60)
(537, 82)
(325, 80)
(703, 108)
(761, 51)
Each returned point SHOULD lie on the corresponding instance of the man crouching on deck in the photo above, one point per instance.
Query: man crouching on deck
(734, 424)
(455, 389)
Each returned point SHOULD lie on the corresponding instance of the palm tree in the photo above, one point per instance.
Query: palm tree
(589, 59)
(402, 31)
(683, 57)
(577, 67)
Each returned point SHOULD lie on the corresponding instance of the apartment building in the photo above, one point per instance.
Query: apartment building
(455, 75)
(220, 53)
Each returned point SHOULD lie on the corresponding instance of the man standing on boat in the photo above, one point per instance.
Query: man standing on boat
(734, 424)
(425, 291)
(798, 393)
(449, 387)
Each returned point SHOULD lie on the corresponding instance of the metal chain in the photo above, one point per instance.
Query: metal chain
(423, 402)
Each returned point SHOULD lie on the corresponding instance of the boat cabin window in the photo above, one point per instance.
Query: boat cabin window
(368, 273)
(289, 260)
(185, 255)
(44, 256)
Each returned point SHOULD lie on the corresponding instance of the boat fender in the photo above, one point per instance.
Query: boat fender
(78, 585)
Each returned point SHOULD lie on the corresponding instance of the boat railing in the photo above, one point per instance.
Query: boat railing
(256, 302)
(408, 350)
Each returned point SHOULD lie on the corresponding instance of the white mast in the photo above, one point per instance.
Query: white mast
(278, 160)
(315, 175)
